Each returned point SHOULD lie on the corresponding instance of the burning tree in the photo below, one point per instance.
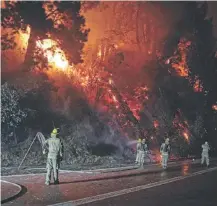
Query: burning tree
(195, 52)
(113, 80)
(42, 20)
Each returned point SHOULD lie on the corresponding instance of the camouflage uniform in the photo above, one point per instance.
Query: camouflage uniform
(205, 153)
(165, 149)
(55, 154)
(141, 152)
(138, 148)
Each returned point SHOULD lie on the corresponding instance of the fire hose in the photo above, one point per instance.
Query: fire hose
(41, 139)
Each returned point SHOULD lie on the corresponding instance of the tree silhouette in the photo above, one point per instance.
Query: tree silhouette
(195, 27)
(201, 58)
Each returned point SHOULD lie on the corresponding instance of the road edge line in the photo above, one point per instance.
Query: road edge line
(130, 190)
(14, 195)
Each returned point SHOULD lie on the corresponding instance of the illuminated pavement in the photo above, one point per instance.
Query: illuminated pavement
(71, 188)
(200, 190)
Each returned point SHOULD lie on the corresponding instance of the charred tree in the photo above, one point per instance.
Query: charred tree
(125, 109)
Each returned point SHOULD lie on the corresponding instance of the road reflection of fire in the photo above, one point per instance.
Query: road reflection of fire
(185, 169)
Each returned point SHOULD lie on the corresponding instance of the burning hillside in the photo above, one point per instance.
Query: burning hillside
(102, 84)
(113, 77)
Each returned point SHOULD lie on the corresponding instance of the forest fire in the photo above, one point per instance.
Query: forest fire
(111, 55)
(181, 126)
(54, 55)
(186, 136)
(156, 124)
(181, 65)
(198, 86)
(214, 107)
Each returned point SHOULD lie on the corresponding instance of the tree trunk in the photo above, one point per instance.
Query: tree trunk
(28, 61)
(126, 110)
(15, 137)
(137, 26)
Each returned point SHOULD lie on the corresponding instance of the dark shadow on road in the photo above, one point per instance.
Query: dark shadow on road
(140, 173)
(21, 193)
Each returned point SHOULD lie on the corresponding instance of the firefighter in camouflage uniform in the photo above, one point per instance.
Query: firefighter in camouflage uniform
(55, 154)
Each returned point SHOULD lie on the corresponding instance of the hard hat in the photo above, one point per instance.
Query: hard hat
(55, 131)
(206, 142)
(167, 139)
(139, 140)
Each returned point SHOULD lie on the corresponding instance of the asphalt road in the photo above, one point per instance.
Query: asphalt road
(200, 190)
(196, 190)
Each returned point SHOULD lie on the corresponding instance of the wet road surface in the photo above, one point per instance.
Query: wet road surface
(199, 190)
(39, 194)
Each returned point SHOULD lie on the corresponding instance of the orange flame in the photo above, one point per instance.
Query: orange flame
(198, 86)
(54, 55)
(181, 66)
(214, 107)
(186, 136)
(156, 123)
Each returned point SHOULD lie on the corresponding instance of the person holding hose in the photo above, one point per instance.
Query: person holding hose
(164, 150)
(55, 155)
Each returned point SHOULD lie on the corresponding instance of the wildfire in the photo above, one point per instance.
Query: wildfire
(24, 37)
(198, 86)
(180, 65)
(135, 101)
(114, 98)
(185, 134)
(214, 107)
(99, 53)
(181, 126)
(179, 60)
(54, 55)
(156, 124)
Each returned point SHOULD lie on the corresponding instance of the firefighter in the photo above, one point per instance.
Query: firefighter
(144, 152)
(164, 150)
(205, 154)
(138, 148)
(55, 155)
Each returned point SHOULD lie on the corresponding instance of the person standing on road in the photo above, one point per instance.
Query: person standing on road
(144, 152)
(205, 153)
(55, 154)
(164, 150)
(138, 149)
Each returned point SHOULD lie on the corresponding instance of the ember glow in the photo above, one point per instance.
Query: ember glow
(181, 126)
(136, 99)
(181, 65)
(55, 56)
(197, 86)
(156, 124)
(214, 107)
(186, 136)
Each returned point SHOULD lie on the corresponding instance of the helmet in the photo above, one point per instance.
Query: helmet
(206, 142)
(167, 139)
(55, 131)
(139, 140)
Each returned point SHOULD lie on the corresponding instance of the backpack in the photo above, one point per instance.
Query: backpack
(166, 148)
